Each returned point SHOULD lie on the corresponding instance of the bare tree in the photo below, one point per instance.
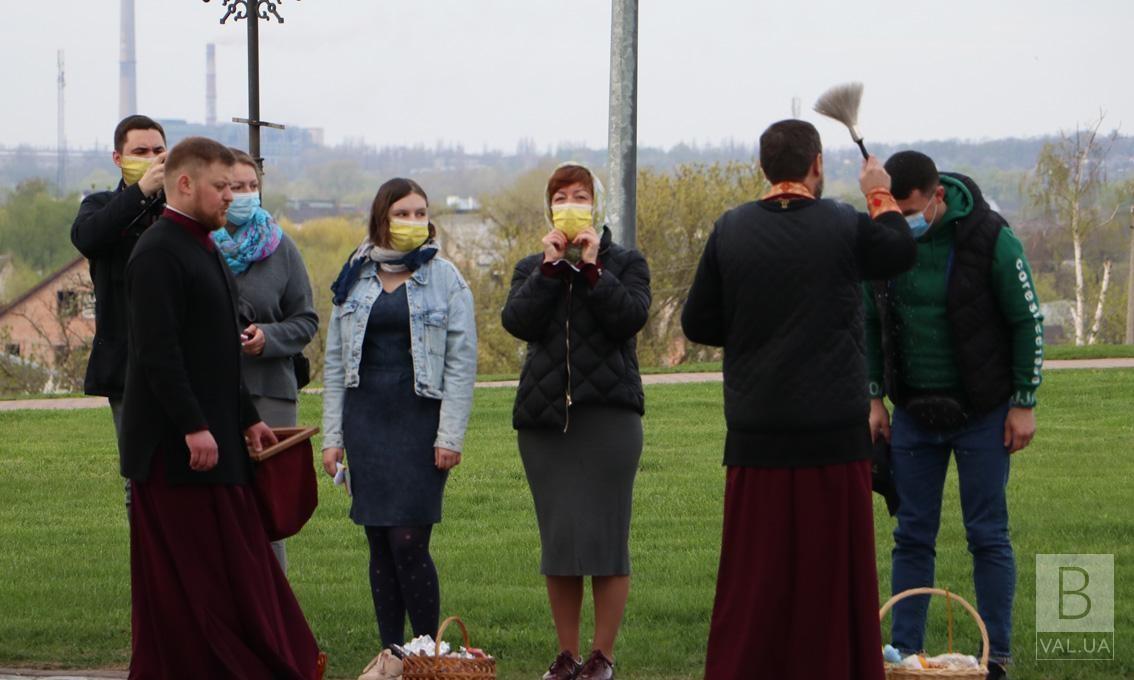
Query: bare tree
(61, 328)
(676, 213)
(19, 375)
(516, 221)
(1069, 177)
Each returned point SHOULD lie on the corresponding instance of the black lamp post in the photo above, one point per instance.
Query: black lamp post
(252, 11)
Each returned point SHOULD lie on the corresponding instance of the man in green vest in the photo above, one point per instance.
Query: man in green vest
(957, 345)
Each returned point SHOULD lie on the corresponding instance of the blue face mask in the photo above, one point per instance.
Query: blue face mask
(918, 224)
(242, 207)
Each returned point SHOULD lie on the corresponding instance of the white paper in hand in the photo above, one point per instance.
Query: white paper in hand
(342, 477)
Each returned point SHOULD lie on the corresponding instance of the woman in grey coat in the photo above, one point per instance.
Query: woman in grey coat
(276, 306)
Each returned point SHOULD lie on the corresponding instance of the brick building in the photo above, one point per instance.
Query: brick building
(53, 320)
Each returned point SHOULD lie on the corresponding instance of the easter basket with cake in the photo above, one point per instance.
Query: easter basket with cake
(467, 663)
(951, 665)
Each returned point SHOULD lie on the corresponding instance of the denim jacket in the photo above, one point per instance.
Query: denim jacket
(442, 343)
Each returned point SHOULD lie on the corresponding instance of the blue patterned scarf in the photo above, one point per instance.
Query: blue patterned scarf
(251, 243)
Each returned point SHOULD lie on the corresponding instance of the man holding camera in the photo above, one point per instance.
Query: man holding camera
(105, 231)
(957, 345)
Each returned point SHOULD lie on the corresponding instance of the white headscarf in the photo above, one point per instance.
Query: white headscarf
(598, 205)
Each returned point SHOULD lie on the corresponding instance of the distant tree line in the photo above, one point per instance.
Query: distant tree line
(1069, 201)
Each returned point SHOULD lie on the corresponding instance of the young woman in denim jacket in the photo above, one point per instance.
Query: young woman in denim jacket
(398, 387)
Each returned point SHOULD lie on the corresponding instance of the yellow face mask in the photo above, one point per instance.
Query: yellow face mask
(133, 167)
(406, 235)
(572, 218)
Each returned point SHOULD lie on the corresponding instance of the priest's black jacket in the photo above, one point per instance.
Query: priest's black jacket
(779, 287)
(183, 370)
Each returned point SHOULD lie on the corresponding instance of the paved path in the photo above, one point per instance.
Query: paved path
(649, 379)
(1059, 364)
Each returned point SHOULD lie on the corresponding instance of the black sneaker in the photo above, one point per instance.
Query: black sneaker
(996, 671)
(597, 667)
(565, 667)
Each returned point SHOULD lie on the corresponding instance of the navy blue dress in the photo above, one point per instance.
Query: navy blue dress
(388, 430)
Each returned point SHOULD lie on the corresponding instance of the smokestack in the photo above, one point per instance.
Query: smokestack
(61, 139)
(210, 84)
(127, 76)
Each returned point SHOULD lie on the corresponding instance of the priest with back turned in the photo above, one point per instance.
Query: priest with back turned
(778, 287)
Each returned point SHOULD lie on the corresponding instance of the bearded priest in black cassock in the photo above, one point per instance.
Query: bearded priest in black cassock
(208, 597)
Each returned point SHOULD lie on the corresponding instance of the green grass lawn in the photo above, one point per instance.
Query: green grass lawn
(64, 575)
(691, 367)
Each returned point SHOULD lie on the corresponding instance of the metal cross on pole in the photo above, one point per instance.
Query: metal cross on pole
(252, 11)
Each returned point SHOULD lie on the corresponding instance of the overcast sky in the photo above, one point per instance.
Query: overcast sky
(488, 72)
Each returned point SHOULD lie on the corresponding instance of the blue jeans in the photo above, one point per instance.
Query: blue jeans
(919, 460)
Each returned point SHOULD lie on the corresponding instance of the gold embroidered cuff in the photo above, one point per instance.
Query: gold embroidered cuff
(881, 201)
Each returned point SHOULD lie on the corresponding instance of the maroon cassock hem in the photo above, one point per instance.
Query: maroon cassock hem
(797, 589)
(208, 598)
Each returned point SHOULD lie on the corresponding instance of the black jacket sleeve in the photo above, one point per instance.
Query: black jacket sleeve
(104, 217)
(155, 285)
(886, 247)
(703, 319)
(622, 305)
(531, 302)
(249, 416)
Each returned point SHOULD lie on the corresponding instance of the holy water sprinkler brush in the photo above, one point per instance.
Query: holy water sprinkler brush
(841, 103)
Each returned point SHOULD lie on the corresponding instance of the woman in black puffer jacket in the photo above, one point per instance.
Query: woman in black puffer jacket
(579, 306)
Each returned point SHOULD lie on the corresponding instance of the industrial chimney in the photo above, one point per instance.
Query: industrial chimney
(127, 76)
(210, 84)
(61, 139)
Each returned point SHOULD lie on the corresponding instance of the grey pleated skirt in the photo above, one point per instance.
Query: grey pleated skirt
(582, 482)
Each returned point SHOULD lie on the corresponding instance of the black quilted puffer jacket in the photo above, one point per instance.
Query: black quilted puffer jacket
(581, 346)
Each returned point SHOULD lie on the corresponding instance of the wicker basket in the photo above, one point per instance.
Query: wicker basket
(981, 673)
(448, 667)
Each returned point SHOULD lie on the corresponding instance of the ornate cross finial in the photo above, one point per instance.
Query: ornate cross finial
(240, 9)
